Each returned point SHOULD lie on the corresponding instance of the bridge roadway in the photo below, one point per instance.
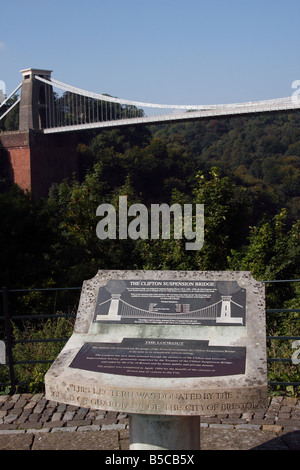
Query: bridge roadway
(229, 110)
(167, 112)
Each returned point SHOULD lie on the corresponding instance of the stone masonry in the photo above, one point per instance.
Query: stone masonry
(32, 412)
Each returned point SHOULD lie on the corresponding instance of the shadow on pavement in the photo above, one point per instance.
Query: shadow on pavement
(288, 441)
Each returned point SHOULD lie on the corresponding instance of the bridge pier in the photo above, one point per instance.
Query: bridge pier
(37, 160)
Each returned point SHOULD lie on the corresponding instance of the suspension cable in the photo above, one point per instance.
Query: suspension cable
(12, 106)
(15, 90)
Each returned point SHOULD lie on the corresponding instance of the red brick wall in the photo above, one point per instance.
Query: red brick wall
(38, 160)
(20, 161)
(17, 146)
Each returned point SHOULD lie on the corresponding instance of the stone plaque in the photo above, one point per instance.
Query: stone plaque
(166, 342)
(161, 358)
(172, 302)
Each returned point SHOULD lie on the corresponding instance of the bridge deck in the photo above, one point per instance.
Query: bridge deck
(284, 104)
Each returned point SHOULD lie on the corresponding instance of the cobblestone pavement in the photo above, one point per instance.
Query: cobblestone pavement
(31, 422)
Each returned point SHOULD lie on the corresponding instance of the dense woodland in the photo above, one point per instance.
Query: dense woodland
(245, 170)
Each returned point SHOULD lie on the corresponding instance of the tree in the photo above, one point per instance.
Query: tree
(225, 216)
(11, 121)
(25, 239)
(78, 253)
(273, 253)
(226, 213)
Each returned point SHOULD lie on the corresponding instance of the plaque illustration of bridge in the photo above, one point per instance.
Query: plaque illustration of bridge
(206, 313)
(117, 308)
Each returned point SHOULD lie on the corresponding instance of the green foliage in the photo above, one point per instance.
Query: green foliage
(225, 216)
(245, 171)
(273, 253)
(11, 121)
(33, 374)
(25, 237)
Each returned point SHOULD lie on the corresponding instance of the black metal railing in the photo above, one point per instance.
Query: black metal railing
(269, 338)
(11, 342)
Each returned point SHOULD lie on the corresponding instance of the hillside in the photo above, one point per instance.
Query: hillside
(246, 172)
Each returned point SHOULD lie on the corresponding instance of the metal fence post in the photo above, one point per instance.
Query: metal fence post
(8, 340)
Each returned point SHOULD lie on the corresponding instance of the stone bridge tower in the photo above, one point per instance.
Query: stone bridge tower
(36, 99)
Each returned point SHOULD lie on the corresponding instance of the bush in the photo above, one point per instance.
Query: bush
(32, 374)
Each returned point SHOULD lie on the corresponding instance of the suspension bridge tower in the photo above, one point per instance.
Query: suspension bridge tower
(33, 108)
(37, 160)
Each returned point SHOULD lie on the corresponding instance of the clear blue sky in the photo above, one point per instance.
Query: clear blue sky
(163, 51)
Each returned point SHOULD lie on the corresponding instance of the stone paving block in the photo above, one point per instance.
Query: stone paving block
(38, 431)
(72, 408)
(21, 402)
(54, 424)
(211, 420)
(40, 406)
(61, 408)
(66, 429)
(34, 417)
(48, 412)
(37, 397)
(248, 426)
(79, 422)
(77, 441)
(110, 418)
(69, 415)
(81, 413)
(106, 427)
(92, 414)
(12, 432)
(24, 416)
(30, 425)
(16, 441)
(56, 416)
(11, 418)
(15, 397)
(221, 426)
(272, 427)
(239, 439)
(30, 405)
(51, 404)
(234, 421)
(288, 422)
(8, 405)
(7, 426)
(248, 416)
(92, 427)
(284, 415)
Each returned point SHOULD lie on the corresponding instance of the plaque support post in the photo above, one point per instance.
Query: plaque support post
(150, 432)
